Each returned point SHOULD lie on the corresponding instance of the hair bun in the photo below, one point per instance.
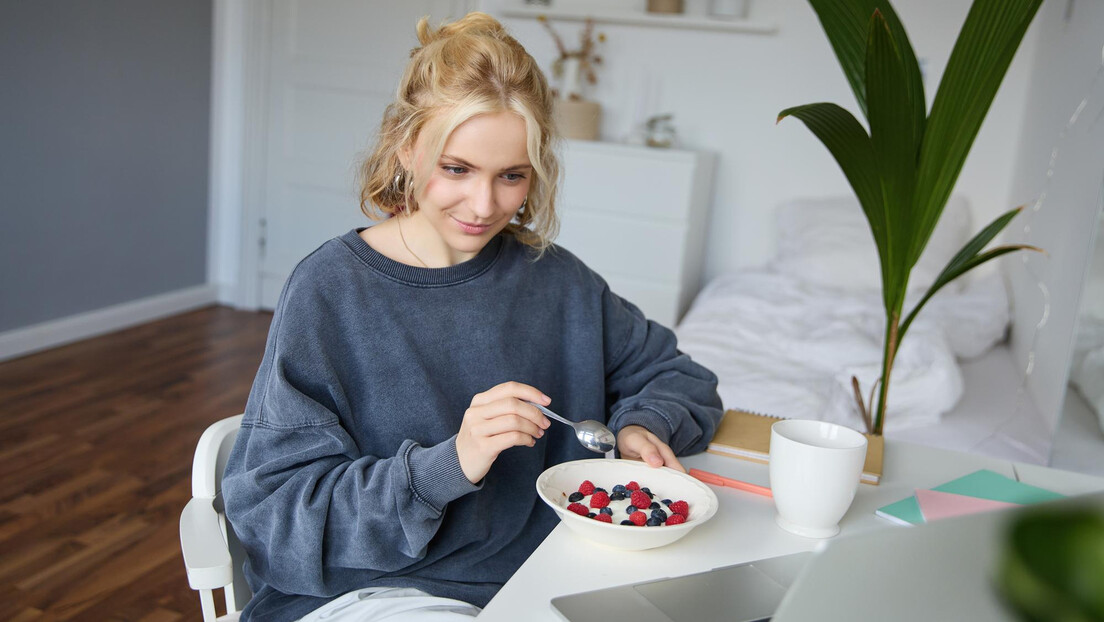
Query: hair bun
(471, 24)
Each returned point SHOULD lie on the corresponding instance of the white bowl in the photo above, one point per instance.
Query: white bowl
(556, 483)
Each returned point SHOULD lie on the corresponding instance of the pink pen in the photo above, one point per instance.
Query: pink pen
(717, 480)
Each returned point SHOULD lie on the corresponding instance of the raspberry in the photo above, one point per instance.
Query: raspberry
(632, 486)
(586, 487)
(638, 518)
(680, 507)
(578, 508)
(599, 500)
(604, 518)
(640, 499)
(675, 519)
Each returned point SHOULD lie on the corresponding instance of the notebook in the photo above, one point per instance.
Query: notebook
(746, 435)
(979, 491)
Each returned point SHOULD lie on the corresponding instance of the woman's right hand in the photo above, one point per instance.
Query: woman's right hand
(498, 419)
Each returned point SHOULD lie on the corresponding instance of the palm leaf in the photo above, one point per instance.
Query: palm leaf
(969, 258)
(848, 143)
(984, 49)
(896, 143)
(847, 24)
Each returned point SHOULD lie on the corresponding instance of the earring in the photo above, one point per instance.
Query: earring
(397, 184)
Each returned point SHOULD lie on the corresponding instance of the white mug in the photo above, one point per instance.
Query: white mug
(815, 468)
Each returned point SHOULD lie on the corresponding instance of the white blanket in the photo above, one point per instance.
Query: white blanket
(789, 348)
(1087, 368)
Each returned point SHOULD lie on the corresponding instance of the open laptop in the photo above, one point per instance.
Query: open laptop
(740, 593)
(938, 571)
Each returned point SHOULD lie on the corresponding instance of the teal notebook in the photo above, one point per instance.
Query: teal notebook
(981, 484)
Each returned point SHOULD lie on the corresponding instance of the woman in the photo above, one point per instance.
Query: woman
(388, 453)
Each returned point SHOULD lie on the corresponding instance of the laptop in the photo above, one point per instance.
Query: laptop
(939, 571)
(740, 593)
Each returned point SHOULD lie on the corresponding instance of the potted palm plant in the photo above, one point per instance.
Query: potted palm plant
(904, 169)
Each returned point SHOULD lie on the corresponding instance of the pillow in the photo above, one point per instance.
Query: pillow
(827, 242)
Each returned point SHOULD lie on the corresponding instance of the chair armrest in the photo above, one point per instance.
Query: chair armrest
(206, 556)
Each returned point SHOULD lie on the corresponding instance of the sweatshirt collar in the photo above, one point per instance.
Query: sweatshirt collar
(415, 275)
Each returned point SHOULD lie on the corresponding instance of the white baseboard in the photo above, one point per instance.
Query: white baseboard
(21, 341)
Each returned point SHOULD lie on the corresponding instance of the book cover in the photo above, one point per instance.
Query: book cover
(746, 435)
(935, 505)
(983, 484)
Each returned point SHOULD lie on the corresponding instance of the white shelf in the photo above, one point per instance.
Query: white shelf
(689, 22)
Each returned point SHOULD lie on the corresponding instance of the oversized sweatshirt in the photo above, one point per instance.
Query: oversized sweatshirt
(345, 473)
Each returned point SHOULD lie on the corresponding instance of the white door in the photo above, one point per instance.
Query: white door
(334, 66)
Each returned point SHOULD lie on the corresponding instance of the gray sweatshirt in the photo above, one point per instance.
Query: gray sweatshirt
(345, 473)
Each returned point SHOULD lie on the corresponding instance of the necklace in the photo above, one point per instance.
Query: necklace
(402, 237)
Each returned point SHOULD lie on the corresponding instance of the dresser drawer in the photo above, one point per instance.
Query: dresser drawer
(635, 182)
(609, 244)
(656, 300)
(636, 216)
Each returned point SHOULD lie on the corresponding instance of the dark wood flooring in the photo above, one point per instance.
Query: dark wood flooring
(96, 444)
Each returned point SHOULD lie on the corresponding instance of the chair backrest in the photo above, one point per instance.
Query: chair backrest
(211, 454)
(213, 555)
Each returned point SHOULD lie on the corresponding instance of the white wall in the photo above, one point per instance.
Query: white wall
(1068, 71)
(726, 89)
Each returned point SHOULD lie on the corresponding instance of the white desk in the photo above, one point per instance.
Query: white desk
(742, 530)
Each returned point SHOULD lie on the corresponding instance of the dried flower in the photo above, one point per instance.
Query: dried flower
(585, 53)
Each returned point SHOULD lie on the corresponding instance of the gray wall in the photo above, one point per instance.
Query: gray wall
(104, 108)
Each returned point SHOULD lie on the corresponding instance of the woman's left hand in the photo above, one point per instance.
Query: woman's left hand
(637, 443)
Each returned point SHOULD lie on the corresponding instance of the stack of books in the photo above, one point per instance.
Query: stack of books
(979, 491)
(746, 435)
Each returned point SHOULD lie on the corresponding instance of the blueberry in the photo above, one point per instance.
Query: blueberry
(630, 509)
(667, 502)
(628, 522)
(653, 506)
(617, 496)
(575, 497)
(648, 492)
(607, 510)
(659, 514)
(590, 515)
(620, 488)
(654, 522)
(599, 490)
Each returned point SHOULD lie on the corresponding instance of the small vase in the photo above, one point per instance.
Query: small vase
(571, 85)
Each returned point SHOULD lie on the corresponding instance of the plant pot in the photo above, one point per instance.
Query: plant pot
(665, 6)
(577, 119)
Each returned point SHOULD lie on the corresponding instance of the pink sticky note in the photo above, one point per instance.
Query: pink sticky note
(935, 505)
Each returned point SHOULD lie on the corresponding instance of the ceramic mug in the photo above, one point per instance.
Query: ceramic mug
(815, 468)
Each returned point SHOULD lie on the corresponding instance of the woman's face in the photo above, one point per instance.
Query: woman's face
(476, 187)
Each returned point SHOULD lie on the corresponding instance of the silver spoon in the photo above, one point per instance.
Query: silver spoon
(593, 435)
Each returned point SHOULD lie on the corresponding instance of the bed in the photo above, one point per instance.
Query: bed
(786, 338)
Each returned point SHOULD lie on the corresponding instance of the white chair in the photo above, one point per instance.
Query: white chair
(213, 555)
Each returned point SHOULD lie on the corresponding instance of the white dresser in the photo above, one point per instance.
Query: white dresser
(637, 215)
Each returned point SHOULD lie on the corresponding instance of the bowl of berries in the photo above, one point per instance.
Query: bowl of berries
(626, 504)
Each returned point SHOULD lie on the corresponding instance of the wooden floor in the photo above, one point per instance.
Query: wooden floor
(96, 442)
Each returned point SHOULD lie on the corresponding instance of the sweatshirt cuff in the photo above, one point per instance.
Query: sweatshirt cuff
(651, 420)
(435, 474)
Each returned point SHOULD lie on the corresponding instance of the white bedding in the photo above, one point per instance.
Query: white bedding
(1087, 368)
(789, 348)
(786, 339)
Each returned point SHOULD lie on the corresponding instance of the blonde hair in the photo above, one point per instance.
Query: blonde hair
(463, 69)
